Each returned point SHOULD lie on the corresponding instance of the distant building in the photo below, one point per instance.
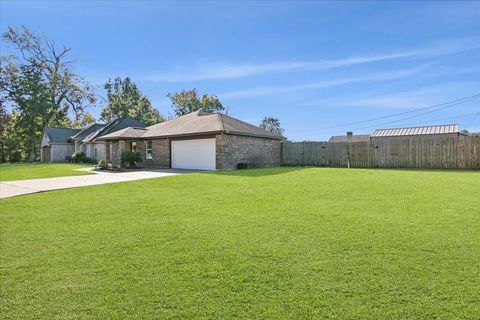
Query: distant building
(447, 130)
(350, 137)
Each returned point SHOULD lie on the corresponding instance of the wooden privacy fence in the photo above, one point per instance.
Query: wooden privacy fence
(458, 152)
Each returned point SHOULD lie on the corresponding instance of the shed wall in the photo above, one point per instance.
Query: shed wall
(60, 151)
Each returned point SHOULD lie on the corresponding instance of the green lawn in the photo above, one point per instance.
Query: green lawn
(22, 171)
(266, 244)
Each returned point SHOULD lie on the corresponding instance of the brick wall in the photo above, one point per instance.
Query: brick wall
(116, 152)
(230, 151)
(160, 154)
(256, 152)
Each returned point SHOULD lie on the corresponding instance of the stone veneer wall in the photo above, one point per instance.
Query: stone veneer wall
(256, 152)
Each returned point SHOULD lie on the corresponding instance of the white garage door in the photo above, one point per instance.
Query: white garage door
(194, 154)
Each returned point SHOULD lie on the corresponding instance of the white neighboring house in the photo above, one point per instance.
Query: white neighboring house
(59, 143)
(55, 145)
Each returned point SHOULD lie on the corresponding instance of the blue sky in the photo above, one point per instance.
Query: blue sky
(314, 65)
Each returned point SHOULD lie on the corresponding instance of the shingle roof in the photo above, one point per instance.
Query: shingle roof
(118, 124)
(200, 122)
(415, 131)
(124, 133)
(60, 135)
(88, 131)
(197, 123)
(350, 138)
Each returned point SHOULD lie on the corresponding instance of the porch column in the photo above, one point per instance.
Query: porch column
(107, 150)
(121, 149)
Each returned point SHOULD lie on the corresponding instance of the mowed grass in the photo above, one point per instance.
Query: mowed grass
(22, 171)
(284, 243)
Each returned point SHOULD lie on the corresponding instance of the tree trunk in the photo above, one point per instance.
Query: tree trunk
(31, 155)
(2, 151)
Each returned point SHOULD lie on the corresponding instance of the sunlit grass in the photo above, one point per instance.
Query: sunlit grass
(22, 171)
(266, 244)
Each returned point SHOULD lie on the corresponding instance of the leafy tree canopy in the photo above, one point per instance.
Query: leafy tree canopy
(125, 99)
(272, 124)
(39, 83)
(188, 101)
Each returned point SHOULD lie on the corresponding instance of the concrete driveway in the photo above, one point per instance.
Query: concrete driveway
(21, 187)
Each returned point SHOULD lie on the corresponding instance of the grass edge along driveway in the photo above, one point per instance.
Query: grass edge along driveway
(268, 243)
(24, 171)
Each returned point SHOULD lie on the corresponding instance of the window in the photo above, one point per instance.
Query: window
(133, 146)
(148, 150)
(95, 152)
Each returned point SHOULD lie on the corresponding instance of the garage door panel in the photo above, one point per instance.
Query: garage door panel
(194, 154)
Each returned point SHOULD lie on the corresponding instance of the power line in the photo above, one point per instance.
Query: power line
(474, 118)
(443, 105)
(411, 117)
(476, 114)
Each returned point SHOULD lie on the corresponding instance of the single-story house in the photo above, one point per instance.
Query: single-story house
(59, 143)
(199, 140)
(55, 145)
(350, 137)
(445, 130)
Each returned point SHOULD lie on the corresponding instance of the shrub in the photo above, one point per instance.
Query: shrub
(102, 164)
(78, 156)
(131, 158)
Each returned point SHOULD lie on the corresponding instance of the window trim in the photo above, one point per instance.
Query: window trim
(149, 150)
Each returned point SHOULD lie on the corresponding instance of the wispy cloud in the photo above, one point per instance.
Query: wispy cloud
(405, 99)
(270, 90)
(233, 71)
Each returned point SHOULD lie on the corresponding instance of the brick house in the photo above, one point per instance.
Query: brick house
(199, 140)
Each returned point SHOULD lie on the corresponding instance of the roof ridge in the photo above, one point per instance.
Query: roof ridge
(435, 125)
(222, 127)
(355, 135)
(62, 128)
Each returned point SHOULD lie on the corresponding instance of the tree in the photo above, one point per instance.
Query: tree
(468, 133)
(5, 120)
(30, 97)
(67, 91)
(187, 101)
(11, 143)
(39, 84)
(125, 99)
(272, 124)
(83, 122)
